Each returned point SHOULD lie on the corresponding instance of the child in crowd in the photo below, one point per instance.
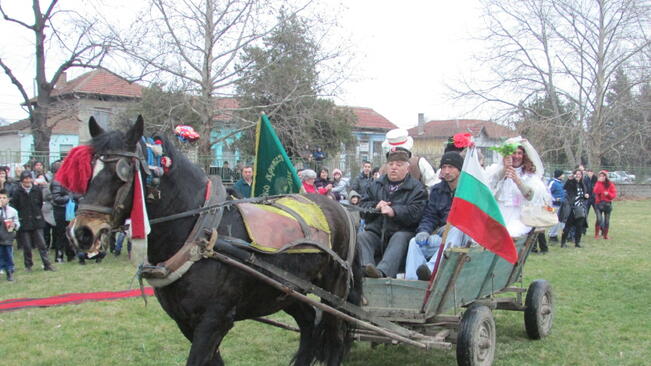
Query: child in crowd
(9, 223)
(354, 199)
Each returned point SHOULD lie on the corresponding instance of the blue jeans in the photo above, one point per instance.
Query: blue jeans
(7, 258)
(427, 254)
(421, 254)
(119, 243)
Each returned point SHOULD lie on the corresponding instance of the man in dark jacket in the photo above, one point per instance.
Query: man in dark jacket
(243, 186)
(363, 180)
(28, 200)
(400, 200)
(60, 199)
(424, 246)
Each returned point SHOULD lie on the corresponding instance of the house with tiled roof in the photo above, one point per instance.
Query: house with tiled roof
(430, 137)
(370, 130)
(98, 93)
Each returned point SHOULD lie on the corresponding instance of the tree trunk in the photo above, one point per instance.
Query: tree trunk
(41, 131)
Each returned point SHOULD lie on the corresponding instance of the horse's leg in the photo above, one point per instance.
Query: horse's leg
(304, 315)
(215, 322)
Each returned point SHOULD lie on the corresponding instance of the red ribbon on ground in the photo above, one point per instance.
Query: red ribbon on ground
(72, 298)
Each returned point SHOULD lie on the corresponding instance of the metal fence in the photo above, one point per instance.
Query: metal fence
(13, 158)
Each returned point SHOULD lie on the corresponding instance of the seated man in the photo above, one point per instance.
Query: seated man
(400, 200)
(419, 167)
(425, 245)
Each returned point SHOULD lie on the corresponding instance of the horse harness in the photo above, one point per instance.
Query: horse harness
(201, 241)
(126, 164)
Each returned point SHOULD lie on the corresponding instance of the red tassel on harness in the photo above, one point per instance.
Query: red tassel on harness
(76, 170)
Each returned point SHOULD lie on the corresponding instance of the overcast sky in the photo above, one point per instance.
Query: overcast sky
(405, 54)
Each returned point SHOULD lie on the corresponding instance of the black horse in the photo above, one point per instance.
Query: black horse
(212, 295)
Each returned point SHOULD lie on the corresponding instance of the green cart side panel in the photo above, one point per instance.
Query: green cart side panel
(481, 274)
(391, 293)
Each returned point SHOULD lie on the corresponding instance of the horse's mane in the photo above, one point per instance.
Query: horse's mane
(110, 141)
(180, 163)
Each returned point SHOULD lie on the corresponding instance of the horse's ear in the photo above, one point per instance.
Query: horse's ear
(135, 132)
(94, 127)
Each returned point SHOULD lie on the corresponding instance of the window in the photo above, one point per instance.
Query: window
(102, 116)
(377, 147)
(64, 149)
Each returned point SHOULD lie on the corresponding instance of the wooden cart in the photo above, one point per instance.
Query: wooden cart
(471, 282)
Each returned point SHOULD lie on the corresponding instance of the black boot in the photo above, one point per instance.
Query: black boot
(564, 240)
(423, 272)
(98, 258)
(10, 276)
(542, 243)
(577, 240)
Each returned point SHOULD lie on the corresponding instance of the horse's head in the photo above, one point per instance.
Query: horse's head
(108, 199)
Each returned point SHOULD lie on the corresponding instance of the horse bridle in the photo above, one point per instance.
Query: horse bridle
(126, 164)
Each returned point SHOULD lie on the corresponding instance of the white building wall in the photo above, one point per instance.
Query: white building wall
(56, 142)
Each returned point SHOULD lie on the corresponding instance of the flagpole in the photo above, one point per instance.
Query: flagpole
(255, 160)
(439, 254)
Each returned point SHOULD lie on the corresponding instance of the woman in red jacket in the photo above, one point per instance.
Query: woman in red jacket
(308, 176)
(604, 193)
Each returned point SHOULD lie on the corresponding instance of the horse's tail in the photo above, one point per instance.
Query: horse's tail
(333, 335)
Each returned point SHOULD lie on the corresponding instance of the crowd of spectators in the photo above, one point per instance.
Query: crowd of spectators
(400, 208)
(35, 211)
(407, 229)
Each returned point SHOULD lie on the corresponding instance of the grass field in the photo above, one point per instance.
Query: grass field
(602, 294)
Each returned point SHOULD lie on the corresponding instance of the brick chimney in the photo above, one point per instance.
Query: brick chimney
(62, 80)
(421, 123)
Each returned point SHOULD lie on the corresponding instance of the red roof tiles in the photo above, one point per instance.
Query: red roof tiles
(447, 128)
(368, 118)
(99, 81)
(225, 107)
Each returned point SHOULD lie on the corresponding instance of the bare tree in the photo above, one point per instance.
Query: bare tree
(567, 51)
(195, 44)
(72, 36)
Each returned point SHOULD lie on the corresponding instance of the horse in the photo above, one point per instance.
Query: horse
(207, 300)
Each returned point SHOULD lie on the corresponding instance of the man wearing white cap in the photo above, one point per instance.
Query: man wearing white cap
(419, 167)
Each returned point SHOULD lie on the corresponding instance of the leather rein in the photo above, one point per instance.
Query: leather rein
(202, 238)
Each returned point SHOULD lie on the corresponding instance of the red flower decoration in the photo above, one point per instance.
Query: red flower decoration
(462, 140)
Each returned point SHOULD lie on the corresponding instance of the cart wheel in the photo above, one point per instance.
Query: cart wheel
(476, 338)
(539, 311)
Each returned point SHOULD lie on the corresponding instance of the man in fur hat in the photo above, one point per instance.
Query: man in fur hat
(399, 199)
(419, 167)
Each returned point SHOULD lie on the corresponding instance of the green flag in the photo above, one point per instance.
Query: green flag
(273, 172)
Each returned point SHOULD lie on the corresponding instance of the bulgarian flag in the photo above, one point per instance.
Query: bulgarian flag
(475, 212)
